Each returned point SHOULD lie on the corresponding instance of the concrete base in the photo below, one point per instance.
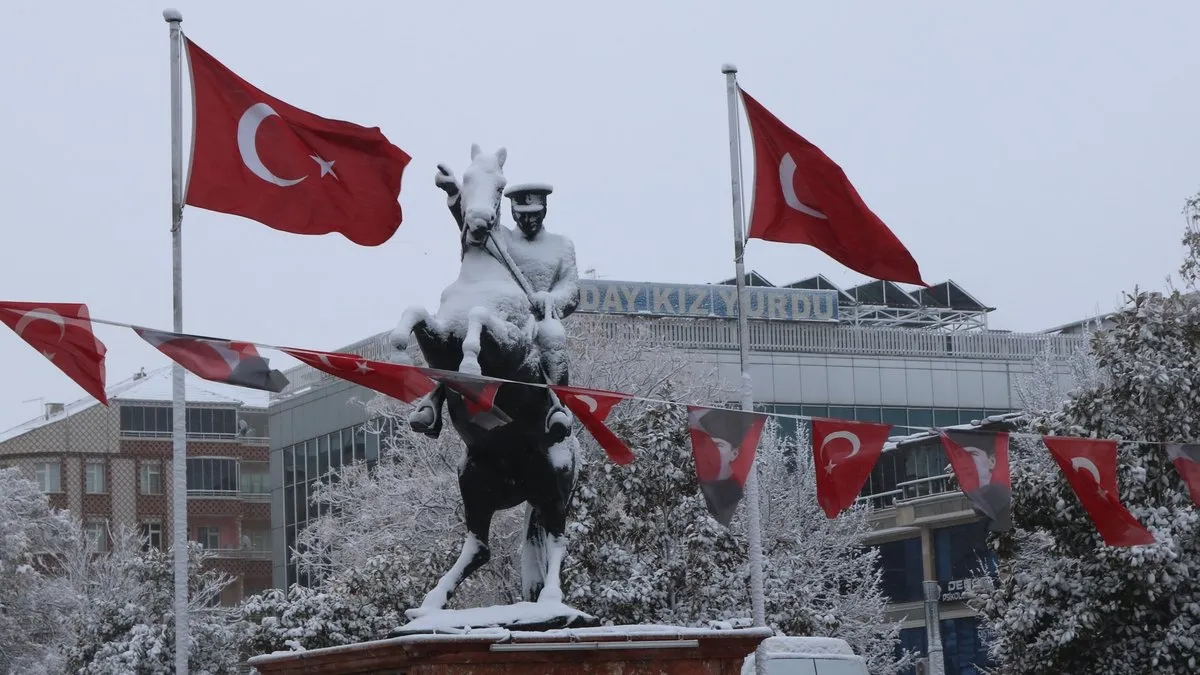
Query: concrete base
(614, 650)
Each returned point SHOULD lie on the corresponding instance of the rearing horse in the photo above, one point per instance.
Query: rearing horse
(485, 325)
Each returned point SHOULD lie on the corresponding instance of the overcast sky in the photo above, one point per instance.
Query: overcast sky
(1036, 153)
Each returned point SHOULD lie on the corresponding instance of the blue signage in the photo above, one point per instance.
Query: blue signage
(705, 301)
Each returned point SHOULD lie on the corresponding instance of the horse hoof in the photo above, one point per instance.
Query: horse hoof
(424, 420)
(559, 423)
(418, 612)
(401, 357)
(550, 594)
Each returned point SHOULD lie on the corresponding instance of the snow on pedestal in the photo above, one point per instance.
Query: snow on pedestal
(521, 614)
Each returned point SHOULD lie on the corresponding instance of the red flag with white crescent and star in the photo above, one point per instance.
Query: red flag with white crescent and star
(217, 360)
(61, 332)
(592, 407)
(724, 442)
(478, 394)
(1186, 458)
(1090, 466)
(405, 383)
(258, 157)
(844, 453)
(802, 197)
(980, 463)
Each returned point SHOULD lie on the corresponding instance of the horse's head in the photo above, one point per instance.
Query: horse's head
(482, 191)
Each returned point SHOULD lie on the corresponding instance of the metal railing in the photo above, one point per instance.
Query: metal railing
(199, 436)
(908, 490)
(794, 337)
(230, 494)
(240, 553)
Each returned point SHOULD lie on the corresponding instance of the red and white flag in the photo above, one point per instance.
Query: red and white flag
(1186, 458)
(591, 407)
(723, 444)
(401, 382)
(802, 197)
(478, 394)
(980, 463)
(1090, 466)
(61, 332)
(217, 360)
(844, 453)
(258, 157)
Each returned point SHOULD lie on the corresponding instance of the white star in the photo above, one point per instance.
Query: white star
(362, 367)
(326, 167)
(48, 354)
(830, 467)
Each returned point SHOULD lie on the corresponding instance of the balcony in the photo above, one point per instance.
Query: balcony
(230, 494)
(910, 490)
(240, 553)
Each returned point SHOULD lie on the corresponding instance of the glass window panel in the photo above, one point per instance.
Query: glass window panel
(945, 417)
(920, 418)
(312, 449)
(841, 412)
(867, 414)
(289, 465)
(360, 443)
(814, 410)
(323, 455)
(126, 418)
(898, 417)
(901, 565)
(372, 446)
(967, 415)
(289, 504)
(347, 446)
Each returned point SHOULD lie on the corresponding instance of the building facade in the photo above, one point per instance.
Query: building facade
(111, 467)
(872, 353)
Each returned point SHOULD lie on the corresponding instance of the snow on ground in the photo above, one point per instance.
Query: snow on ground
(457, 620)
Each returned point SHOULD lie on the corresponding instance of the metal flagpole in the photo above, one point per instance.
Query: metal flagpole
(178, 407)
(757, 601)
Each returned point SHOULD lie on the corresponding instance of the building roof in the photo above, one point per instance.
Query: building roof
(946, 295)
(1001, 422)
(154, 386)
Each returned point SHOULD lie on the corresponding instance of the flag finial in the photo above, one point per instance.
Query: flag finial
(171, 15)
(728, 68)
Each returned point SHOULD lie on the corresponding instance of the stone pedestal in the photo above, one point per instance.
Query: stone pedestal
(616, 650)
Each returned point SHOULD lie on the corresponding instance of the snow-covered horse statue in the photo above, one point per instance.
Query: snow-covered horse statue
(485, 325)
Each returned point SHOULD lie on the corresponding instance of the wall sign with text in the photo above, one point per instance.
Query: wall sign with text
(705, 301)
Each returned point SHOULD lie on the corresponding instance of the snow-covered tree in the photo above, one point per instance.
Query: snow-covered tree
(32, 601)
(123, 617)
(1066, 602)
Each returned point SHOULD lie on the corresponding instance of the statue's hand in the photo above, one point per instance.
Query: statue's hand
(444, 179)
(542, 304)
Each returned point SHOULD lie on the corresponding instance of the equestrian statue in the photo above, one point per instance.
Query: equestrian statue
(502, 318)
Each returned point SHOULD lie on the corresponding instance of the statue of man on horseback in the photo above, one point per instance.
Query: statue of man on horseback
(501, 318)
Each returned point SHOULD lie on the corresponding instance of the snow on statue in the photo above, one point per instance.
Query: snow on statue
(502, 318)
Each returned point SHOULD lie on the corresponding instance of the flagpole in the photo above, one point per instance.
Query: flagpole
(178, 405)
(757, 601)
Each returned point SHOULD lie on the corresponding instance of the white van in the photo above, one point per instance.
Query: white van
(808, 656)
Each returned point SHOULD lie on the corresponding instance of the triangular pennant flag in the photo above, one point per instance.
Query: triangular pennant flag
(723, 444)
(1186, 458)
(1090, 466)
(844, 453)
(478, 394)
(591, 407)
(405, 383)
(217, 360)
(61, 332)
(980, 463)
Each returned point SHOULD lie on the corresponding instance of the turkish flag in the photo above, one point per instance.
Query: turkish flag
(802, 197)
(980, 463)
(844, 453)
(723, 444)
(478, 394)
(258, 157)
(1186, 459)
(592, 407)
(1090, 466)
(62, 332)
(405, 383)
(217, 360)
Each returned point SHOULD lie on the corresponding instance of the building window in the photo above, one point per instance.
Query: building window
(963, 648)
(151, 478)
(93, 477)
(902, 575)
(962, 557)
(145, 420)
(212, 421)
(209, 537)
(212, 474)
(152, 534)
(96, 530)
(256, 482)
(48, 476)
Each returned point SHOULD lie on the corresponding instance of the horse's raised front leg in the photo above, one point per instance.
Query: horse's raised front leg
(506, 335)
(401, 335)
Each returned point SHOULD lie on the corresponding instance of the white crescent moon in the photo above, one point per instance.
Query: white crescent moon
(588, 401)
(1086, 464)
(246, 131)
(787, 176)
(325, 359)
(855, 444)
(43, 314)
